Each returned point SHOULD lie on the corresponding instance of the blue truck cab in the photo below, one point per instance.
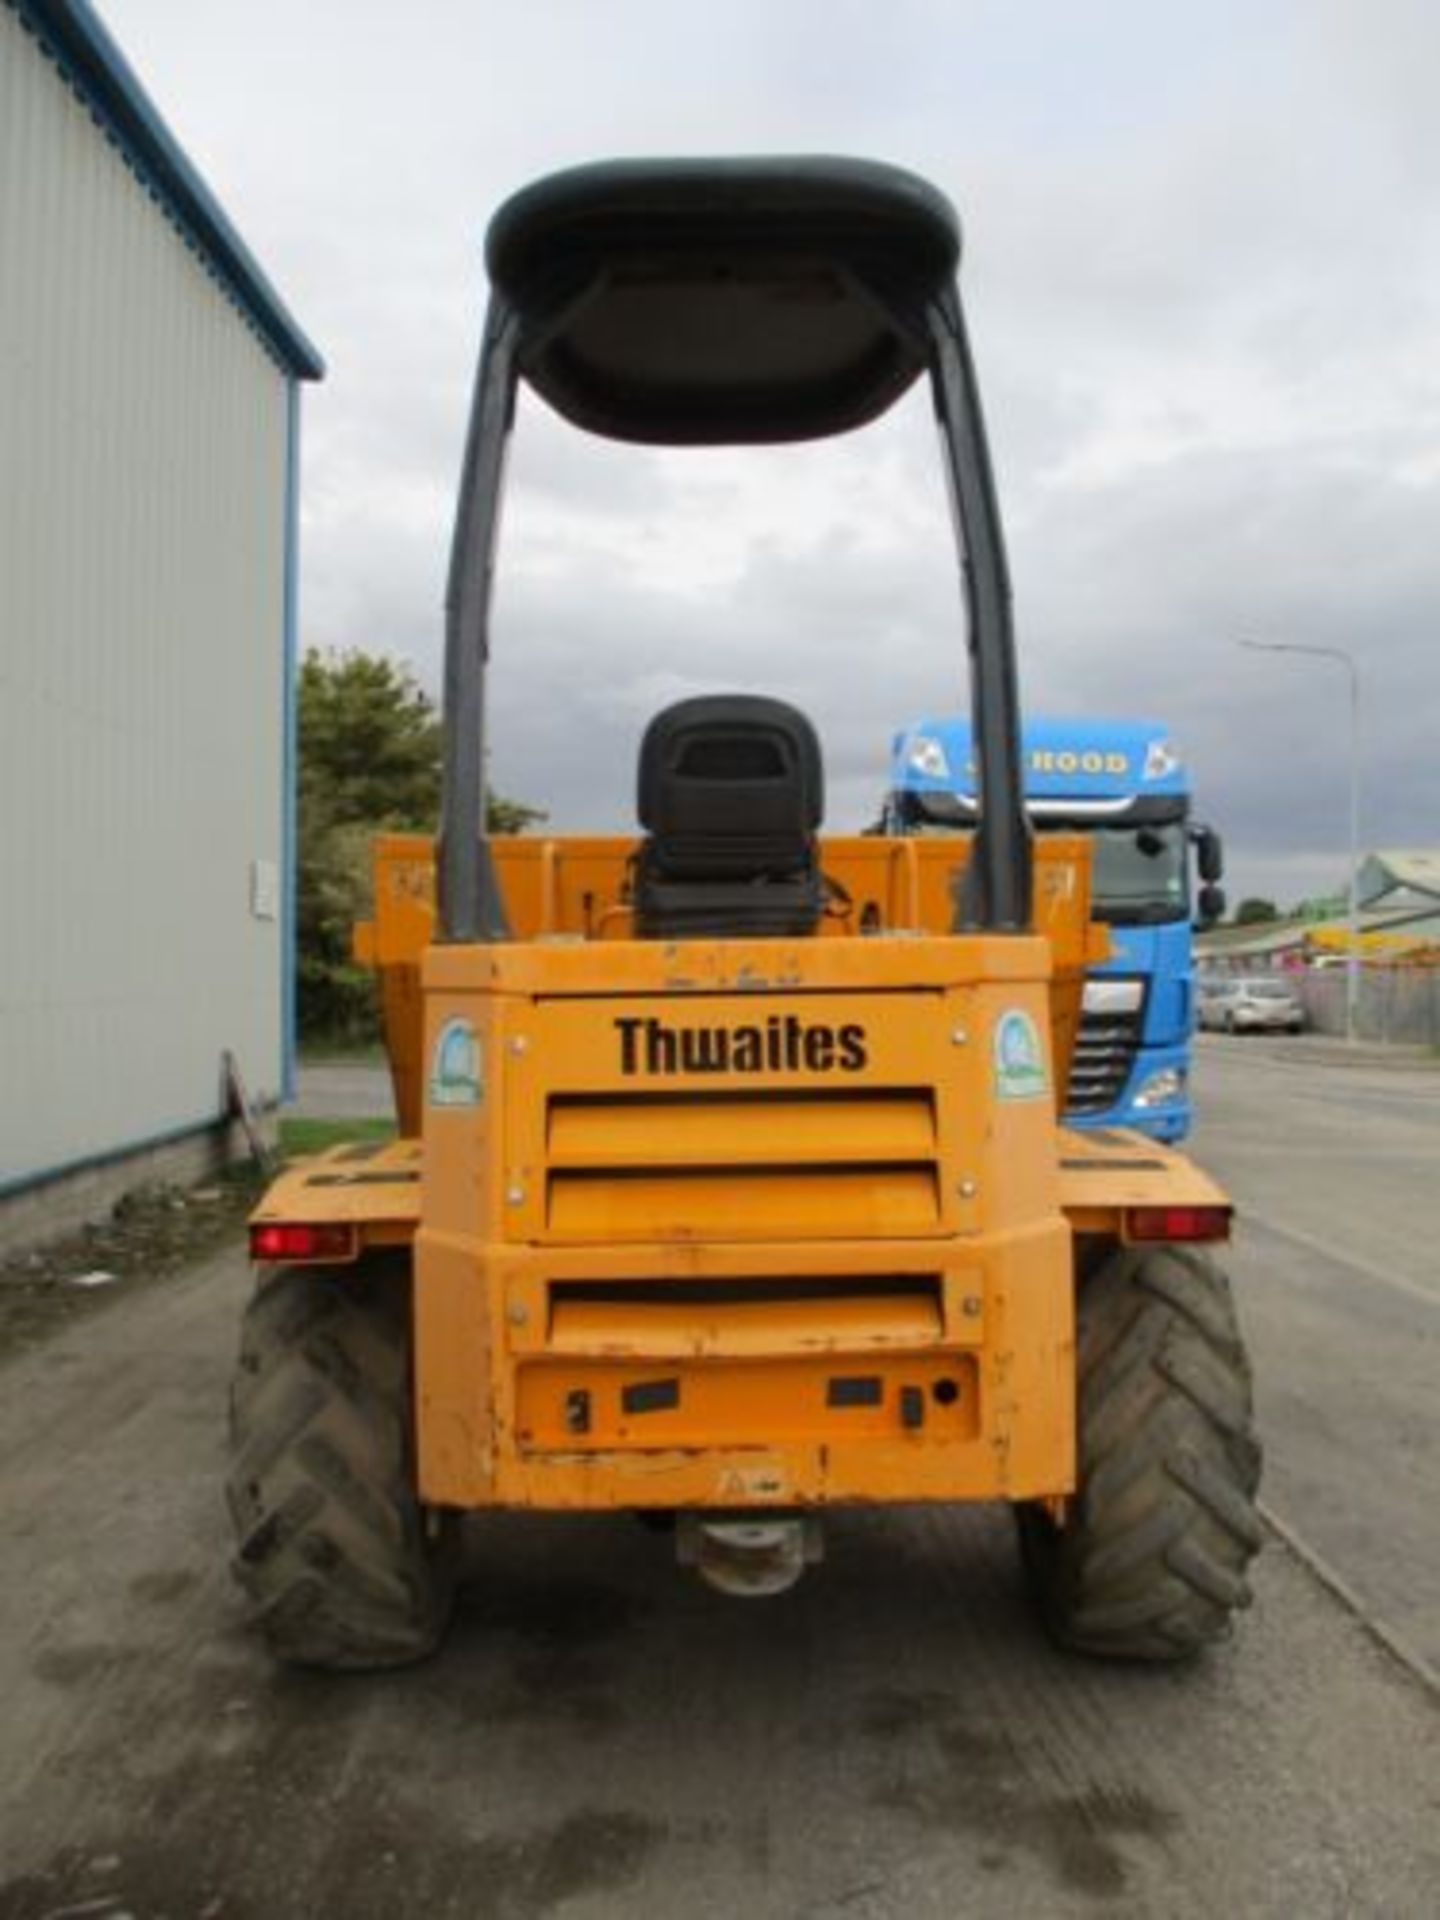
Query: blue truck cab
(1123, 784)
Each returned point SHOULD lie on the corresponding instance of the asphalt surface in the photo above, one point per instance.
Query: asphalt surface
(343, 1089)
(602, 1736)
(1335, 1169)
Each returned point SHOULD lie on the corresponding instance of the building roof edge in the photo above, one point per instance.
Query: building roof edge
(82, 48)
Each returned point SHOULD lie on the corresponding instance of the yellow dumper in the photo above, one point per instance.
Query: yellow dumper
(730, 1185)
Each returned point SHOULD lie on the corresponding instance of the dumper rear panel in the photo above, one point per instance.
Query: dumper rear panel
(722, 1223)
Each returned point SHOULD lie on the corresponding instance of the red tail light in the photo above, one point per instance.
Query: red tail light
(302, 1240)
(1177, 1223)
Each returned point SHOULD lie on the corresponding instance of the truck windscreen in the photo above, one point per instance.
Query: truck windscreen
(1140, 874)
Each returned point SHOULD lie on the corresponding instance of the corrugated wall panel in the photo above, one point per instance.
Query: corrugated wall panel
(142, 549)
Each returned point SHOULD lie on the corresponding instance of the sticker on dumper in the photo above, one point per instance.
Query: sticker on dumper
(455, 1078)
(1019, 1061)
(751, 1483)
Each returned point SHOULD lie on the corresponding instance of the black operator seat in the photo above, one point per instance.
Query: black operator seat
(731, 795)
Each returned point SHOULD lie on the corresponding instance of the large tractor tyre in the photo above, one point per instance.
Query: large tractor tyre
(343, 1565)
(1151, 1563)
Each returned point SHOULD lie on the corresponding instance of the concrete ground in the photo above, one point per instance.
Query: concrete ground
(1334, 1165)
(601, 1736)
(344, 1090)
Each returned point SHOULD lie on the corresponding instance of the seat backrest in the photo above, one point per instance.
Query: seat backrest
(731, 781)
(731, 792)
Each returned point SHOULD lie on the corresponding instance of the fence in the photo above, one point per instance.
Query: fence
(1398, 1006)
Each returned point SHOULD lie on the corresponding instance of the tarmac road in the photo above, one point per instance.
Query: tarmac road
(1335, 1169)
(602, 1736)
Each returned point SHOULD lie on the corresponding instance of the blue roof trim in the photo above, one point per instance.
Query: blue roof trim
(74, 37)
(12, 1186)
(290, 722)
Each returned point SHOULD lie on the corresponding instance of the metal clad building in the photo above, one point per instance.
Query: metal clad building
(148, 454)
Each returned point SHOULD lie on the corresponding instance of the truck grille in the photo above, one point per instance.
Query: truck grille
(1105, 1050)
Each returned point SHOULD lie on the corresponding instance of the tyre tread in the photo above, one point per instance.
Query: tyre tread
(1152, 1562)
(331, 1542)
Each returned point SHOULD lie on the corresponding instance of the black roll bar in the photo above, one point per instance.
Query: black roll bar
(469, 903)
(996, 895)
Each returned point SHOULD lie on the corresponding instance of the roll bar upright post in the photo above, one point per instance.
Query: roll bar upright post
(998, 894)
(469, 903)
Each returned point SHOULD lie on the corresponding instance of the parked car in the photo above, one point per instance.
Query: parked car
(1208, 992)
(1249, 1006)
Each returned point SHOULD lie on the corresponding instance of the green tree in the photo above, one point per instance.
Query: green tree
(1325, 906)
(369, 742)
(370, 757)
(1252, 912)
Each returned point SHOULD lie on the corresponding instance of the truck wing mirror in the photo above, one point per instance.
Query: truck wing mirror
(1209, 853)
(1210, 905)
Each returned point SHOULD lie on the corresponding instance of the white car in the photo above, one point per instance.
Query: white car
(1249, 1006)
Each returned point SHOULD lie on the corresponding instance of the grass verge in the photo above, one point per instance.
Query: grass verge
(300, 1136)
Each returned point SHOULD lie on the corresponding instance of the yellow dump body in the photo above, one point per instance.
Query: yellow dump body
(735, 1223)
(838, 1270)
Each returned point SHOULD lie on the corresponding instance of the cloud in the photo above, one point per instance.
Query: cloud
(1204, 285)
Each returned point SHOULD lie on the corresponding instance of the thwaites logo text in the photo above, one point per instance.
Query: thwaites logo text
(783, 1043)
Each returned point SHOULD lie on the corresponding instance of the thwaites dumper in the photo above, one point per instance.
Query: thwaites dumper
(731, 1185)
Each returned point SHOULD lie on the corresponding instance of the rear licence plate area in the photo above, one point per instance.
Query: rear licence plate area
(609, 1405)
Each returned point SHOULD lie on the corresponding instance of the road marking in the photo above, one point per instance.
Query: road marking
(1412, 1288)
(1413, 1661)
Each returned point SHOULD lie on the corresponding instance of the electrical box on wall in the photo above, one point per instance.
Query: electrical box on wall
(264, 889)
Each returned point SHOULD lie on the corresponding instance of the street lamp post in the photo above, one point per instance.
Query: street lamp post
(1347, 660)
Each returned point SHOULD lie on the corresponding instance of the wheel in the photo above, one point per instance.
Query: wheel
(342, 1564)
(1151, 1563)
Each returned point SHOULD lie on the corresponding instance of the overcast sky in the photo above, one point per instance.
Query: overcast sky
(1202, 269)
